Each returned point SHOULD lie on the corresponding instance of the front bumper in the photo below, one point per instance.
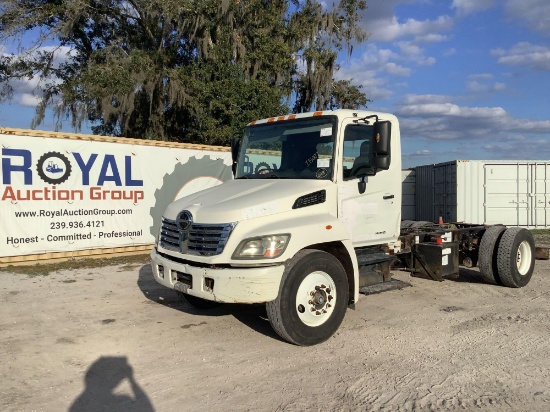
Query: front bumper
(227, 285)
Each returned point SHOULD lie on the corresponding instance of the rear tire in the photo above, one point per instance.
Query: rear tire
(516, 257)
(488, 250)
(198, 303)
(312, 300)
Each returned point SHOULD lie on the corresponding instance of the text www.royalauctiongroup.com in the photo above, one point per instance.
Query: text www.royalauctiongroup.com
(77, 212)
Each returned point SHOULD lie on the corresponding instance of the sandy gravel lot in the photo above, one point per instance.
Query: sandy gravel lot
(110, 338)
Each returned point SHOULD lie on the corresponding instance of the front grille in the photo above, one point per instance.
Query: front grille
(169, 235)
(199, 239)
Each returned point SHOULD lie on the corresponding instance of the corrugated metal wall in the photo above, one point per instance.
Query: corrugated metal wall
(424, 195)
(408, 184)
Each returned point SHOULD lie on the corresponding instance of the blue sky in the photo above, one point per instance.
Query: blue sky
(468, 79)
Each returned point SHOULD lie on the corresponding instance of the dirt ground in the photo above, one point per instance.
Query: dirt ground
(110, 338)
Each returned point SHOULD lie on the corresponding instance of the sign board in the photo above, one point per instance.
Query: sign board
(67, 194)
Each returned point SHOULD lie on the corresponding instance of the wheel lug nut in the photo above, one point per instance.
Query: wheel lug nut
(329, 305)
(330, 298)
(313, 309)
(328, 290)
(323, 287)
(310, 302)
(317, 313)
(317, 288)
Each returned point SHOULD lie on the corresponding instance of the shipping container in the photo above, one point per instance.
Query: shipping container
(408, 199)
(513, 193)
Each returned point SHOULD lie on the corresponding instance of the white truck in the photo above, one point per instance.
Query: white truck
(312, 216)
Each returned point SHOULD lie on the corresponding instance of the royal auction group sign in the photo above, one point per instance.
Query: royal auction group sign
(62, 194)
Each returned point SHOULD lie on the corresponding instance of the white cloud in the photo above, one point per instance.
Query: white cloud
(479, 87)
(382, 61)
(373, 86)
(437, 117)
(27, 99)
(26, 91)
(480, 76)
(413, 99)
(482, 83)
(396, 69)
(519, 149)
(534, 13)
(374, 66)
(389, 29)
(465, 7)
(432, 38)
(526, 55)
(449, 52)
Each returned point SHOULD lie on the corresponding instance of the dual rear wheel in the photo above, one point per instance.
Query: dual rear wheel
(507, 256)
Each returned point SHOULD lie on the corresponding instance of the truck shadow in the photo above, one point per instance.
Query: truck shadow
(468, 276)
(253, 316)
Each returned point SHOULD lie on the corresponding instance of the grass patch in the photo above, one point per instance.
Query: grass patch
(540, 231)
(44, 269)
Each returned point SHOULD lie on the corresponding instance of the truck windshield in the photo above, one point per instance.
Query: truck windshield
(290, 149)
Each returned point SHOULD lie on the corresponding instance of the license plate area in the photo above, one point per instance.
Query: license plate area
(184, 281)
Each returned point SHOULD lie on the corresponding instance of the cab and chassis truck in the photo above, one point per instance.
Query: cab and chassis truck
(313, 216)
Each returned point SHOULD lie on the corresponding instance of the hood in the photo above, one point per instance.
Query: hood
(244, 199)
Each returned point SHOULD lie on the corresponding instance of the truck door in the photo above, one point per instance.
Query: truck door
(371, 216)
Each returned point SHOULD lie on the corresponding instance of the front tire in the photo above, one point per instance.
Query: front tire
(516, 257)
(312, 300)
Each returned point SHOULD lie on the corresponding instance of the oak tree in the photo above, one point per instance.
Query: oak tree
(181, 70)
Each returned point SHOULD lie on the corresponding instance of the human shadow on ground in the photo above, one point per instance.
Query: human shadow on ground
(101, 379)
(253, 316)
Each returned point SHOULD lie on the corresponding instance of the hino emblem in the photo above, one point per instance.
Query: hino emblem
(184, 220)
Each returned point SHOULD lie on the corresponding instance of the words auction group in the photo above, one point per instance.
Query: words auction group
(95, 193)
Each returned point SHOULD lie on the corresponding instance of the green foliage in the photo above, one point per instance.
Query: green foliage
(346, 96)
(183, 70)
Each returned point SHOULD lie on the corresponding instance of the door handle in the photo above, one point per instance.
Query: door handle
(389, 197)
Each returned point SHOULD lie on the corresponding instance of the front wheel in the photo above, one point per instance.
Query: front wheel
(312, 299)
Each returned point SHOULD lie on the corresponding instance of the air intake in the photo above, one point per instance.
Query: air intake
(310, 199)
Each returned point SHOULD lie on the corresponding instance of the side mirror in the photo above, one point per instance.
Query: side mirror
(235, 146)
(382, 145)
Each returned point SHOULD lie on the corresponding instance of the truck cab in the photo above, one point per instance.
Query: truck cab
(309, 189)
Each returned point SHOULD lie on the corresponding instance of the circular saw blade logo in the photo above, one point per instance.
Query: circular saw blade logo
(53, 168)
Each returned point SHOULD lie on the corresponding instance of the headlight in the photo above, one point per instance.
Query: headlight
(264, 247)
